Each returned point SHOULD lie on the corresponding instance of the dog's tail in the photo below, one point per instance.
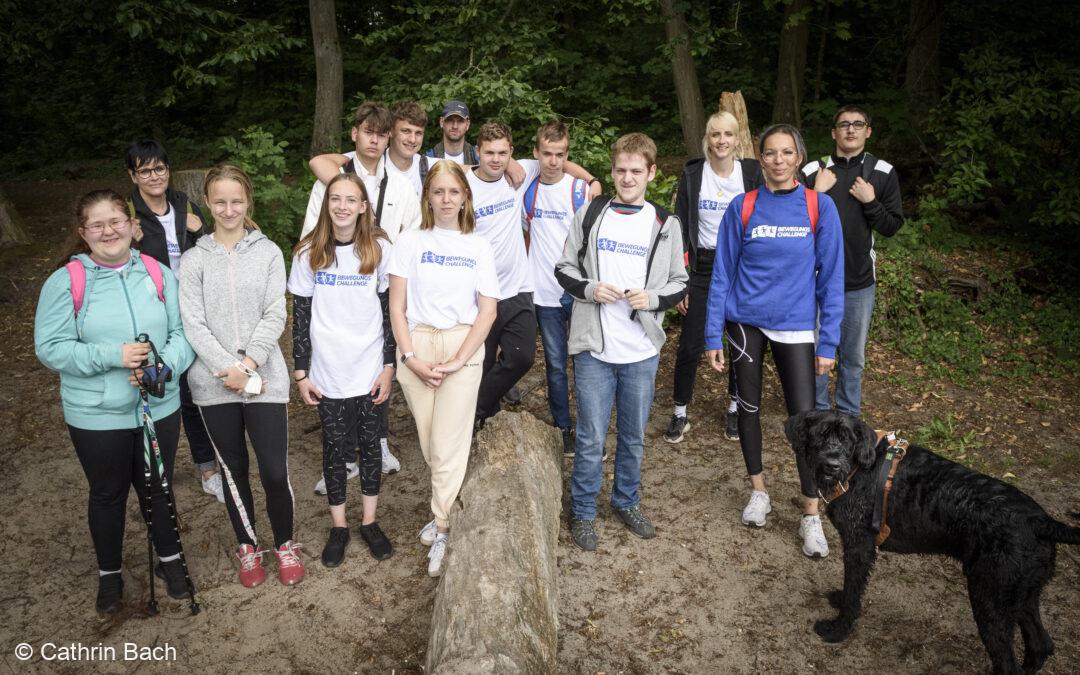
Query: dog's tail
(1053, 530)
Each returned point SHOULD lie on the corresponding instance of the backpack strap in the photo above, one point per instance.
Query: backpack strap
(382, 196)
(579, 191)
(812, 208)
(868, 164)
(530, 201)
(424, 167)
(596, 207)
(77, 274)
(153, 268)
(748, 207)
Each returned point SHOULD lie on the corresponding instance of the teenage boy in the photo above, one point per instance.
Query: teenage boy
(867, 195)
(550, 201)
(406, 137)
(170, 223)
(393, 200)
(455, 122)
(623, 265)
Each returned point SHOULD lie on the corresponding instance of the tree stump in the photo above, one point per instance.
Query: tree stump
(496, 605)
(190, 182)
(12, 229)
(733, 103)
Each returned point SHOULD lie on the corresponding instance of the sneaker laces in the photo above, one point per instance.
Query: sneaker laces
(438, 548)
(286, 555)
(758, 500)
(634, 514)
(812, 529)
(249, 560)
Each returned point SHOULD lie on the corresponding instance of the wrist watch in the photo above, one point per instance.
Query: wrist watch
(406, 356)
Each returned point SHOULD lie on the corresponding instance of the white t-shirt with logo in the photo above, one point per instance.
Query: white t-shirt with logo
(445, 271)
(553, 213)
(716, 195)
(412, 174)
(168, 223)
(622, 258)
(346, 320)
(497, 208)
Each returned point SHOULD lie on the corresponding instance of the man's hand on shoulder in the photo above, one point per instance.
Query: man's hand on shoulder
(194, 223)
(825, 180)
(863, 191)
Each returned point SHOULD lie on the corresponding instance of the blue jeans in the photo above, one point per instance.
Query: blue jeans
(629, 386)
(553, 323)
(850, 355)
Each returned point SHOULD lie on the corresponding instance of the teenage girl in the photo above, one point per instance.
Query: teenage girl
(232, 285)
(443, 290)
(343, 349)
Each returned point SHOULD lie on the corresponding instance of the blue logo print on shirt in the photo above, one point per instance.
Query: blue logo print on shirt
(447, 260)
(491, 209)
(604, 244)
(331, 279)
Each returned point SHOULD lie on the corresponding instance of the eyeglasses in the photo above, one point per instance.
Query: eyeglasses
(118, 225)
(159, 170)
(770, 155)
(858, 125)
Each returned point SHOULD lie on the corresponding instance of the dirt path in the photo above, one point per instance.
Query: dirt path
(706, 596)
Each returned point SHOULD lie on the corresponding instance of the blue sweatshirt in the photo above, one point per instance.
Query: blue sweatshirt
(117, 306)
(776, 273)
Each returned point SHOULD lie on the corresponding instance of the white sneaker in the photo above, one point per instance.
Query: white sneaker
(353, 471)
(814, 544)
(390, 464)
(756, 509)
(428, 533)
(436, 555)
(212, 486)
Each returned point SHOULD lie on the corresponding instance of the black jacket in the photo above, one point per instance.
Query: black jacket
(885, 214)
(686, 199)
(153, 241)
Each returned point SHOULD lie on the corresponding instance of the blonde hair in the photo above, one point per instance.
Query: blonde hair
(722, 119)
(232, 172)
(322, 251)
(635, 143)
(466, 219)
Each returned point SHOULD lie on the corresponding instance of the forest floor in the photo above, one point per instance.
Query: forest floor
(707, 595)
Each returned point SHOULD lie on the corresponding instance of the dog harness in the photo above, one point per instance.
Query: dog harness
(895, 453)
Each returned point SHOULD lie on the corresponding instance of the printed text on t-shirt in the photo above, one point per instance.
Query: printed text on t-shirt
(614, 246)
(447, 260)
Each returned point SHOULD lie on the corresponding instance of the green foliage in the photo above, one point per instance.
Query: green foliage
(662, 189)
(944, 435)
(279, 205)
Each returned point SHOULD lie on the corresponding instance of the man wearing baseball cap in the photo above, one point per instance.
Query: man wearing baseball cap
(455, 122)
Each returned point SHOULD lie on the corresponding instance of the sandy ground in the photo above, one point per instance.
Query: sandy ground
(707, 595)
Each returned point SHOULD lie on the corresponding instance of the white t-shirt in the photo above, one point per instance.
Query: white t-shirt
(553, 213)
(412, 174)
(445, 270)
(459, 158)
(622, 258)
(716, 194)
(497, 208)
(168, 223)
(346, 320)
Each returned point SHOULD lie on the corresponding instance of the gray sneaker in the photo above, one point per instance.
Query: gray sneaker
(637, 522)
(731, 426)
(584, 534)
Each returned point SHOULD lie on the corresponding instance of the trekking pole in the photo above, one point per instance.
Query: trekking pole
(151, 605)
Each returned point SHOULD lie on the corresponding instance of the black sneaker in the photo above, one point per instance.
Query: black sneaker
(110, 593)
(567, 442)
(731, 428)
(334, 551)
(512, 397)
(172, 573)
(376, 541)
(637, 522)
(676, 429)
(584, 534)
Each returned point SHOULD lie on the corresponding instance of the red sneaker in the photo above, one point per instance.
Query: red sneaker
(290, 567)
(251, 570)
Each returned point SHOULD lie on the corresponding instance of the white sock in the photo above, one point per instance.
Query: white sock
(102, 573)
(680, 411)
(169, 558)
(733, 406)
(385, 445)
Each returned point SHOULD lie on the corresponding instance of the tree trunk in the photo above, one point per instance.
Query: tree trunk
(496, 605)
(691, 109)
(820, 68)
(12, 229)
(190, 182)
(734, 104)
(791, 63)
(329, 82)
(921, 83)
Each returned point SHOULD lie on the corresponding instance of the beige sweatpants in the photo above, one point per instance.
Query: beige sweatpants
(444, 416)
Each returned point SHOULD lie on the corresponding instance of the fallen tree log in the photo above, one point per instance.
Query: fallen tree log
(496, 604)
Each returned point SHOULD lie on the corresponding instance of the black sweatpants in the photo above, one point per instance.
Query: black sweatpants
(113, 461)
(267, 424)
(794, 364)
(692, 333)
(513, 338)
(348, 424)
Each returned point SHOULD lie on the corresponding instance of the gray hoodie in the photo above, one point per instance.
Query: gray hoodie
(233, 302)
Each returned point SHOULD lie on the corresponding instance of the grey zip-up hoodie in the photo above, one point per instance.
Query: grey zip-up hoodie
(233, 304)
(575, 271)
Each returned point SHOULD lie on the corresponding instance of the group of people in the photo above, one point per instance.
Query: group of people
(438, 270)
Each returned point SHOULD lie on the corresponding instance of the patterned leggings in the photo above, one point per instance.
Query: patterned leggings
(348, 424)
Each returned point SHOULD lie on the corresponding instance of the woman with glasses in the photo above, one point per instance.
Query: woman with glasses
(88, 318)
(779, 266)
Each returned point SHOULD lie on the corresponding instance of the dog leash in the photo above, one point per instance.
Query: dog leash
(894, 454)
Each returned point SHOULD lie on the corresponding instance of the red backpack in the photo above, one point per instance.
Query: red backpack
(77, 273)
(811, 208)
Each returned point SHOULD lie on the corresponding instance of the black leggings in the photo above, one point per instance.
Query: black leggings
(795, 365)
(692, 333)
(348, 424)
(267, 424)
(113, 460)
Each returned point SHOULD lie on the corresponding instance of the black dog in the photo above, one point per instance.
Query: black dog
(1005, 540)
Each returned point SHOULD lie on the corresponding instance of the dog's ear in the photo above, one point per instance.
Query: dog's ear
(797, 427)
(865, 444)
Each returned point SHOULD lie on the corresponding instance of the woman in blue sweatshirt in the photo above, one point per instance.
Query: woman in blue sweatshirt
(92, 345)
(779, 265)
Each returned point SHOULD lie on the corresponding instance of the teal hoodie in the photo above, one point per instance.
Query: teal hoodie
(117, 306)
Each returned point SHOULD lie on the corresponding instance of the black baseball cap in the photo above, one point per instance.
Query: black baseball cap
(455, 108)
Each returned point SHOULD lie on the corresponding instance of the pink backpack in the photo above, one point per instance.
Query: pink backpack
(78, 279)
